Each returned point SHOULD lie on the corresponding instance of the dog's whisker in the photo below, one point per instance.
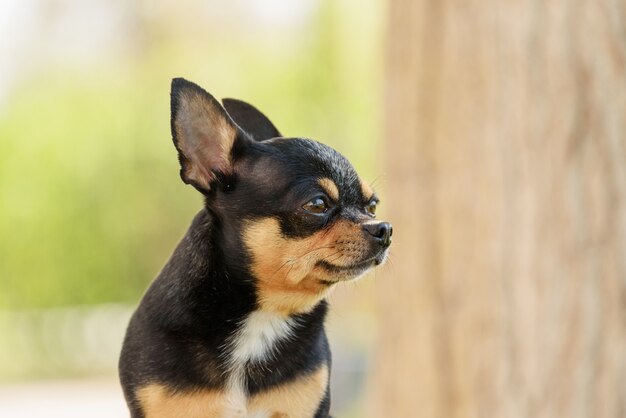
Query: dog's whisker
(292, 261)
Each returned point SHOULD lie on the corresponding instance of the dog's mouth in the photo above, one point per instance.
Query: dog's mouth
(353, 268)
(352, 271)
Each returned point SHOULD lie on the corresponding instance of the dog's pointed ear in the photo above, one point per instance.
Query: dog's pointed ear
(203, 133)
(250, 119)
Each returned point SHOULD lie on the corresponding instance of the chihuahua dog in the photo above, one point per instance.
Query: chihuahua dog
(233, 326)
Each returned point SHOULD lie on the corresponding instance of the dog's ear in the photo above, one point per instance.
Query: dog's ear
(203, 134)
(250, 119)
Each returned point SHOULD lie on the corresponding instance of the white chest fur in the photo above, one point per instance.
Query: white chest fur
(257, 336)
(254, 341)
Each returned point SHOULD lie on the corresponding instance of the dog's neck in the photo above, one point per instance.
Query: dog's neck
(206, 291)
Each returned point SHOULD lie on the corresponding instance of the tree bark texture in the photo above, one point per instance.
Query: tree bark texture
(506, 172)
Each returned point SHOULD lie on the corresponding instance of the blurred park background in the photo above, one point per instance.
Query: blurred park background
(91, 203)
(494, 131)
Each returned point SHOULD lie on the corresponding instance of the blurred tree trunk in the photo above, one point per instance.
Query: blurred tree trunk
(506, 140)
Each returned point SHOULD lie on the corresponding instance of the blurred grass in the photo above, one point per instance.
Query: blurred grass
(91, 204)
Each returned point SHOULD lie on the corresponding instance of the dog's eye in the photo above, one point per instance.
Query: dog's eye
(371, 208)
(317, 205)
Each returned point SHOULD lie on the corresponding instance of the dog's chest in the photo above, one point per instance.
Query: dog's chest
(257, 337)
(256, 341)
(253, 342)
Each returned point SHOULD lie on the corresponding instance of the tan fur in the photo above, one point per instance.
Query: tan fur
(158, 402)
(288, 280)
(330, 188)
(367, 190)
(296, 399)
(204, 136)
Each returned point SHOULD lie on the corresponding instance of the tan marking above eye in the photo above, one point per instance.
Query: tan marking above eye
(330, 188)
(288, 280)
(298, 398)
(367, 190)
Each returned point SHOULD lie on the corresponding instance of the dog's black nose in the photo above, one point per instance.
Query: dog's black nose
(381, 231)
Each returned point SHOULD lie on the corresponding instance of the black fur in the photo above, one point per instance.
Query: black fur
(250, 119)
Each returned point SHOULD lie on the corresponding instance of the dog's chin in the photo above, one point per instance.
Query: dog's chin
(336, 273)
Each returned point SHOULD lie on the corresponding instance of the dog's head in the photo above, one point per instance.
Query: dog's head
(292, 212)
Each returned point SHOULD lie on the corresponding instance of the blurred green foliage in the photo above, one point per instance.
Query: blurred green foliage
(91, 204)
